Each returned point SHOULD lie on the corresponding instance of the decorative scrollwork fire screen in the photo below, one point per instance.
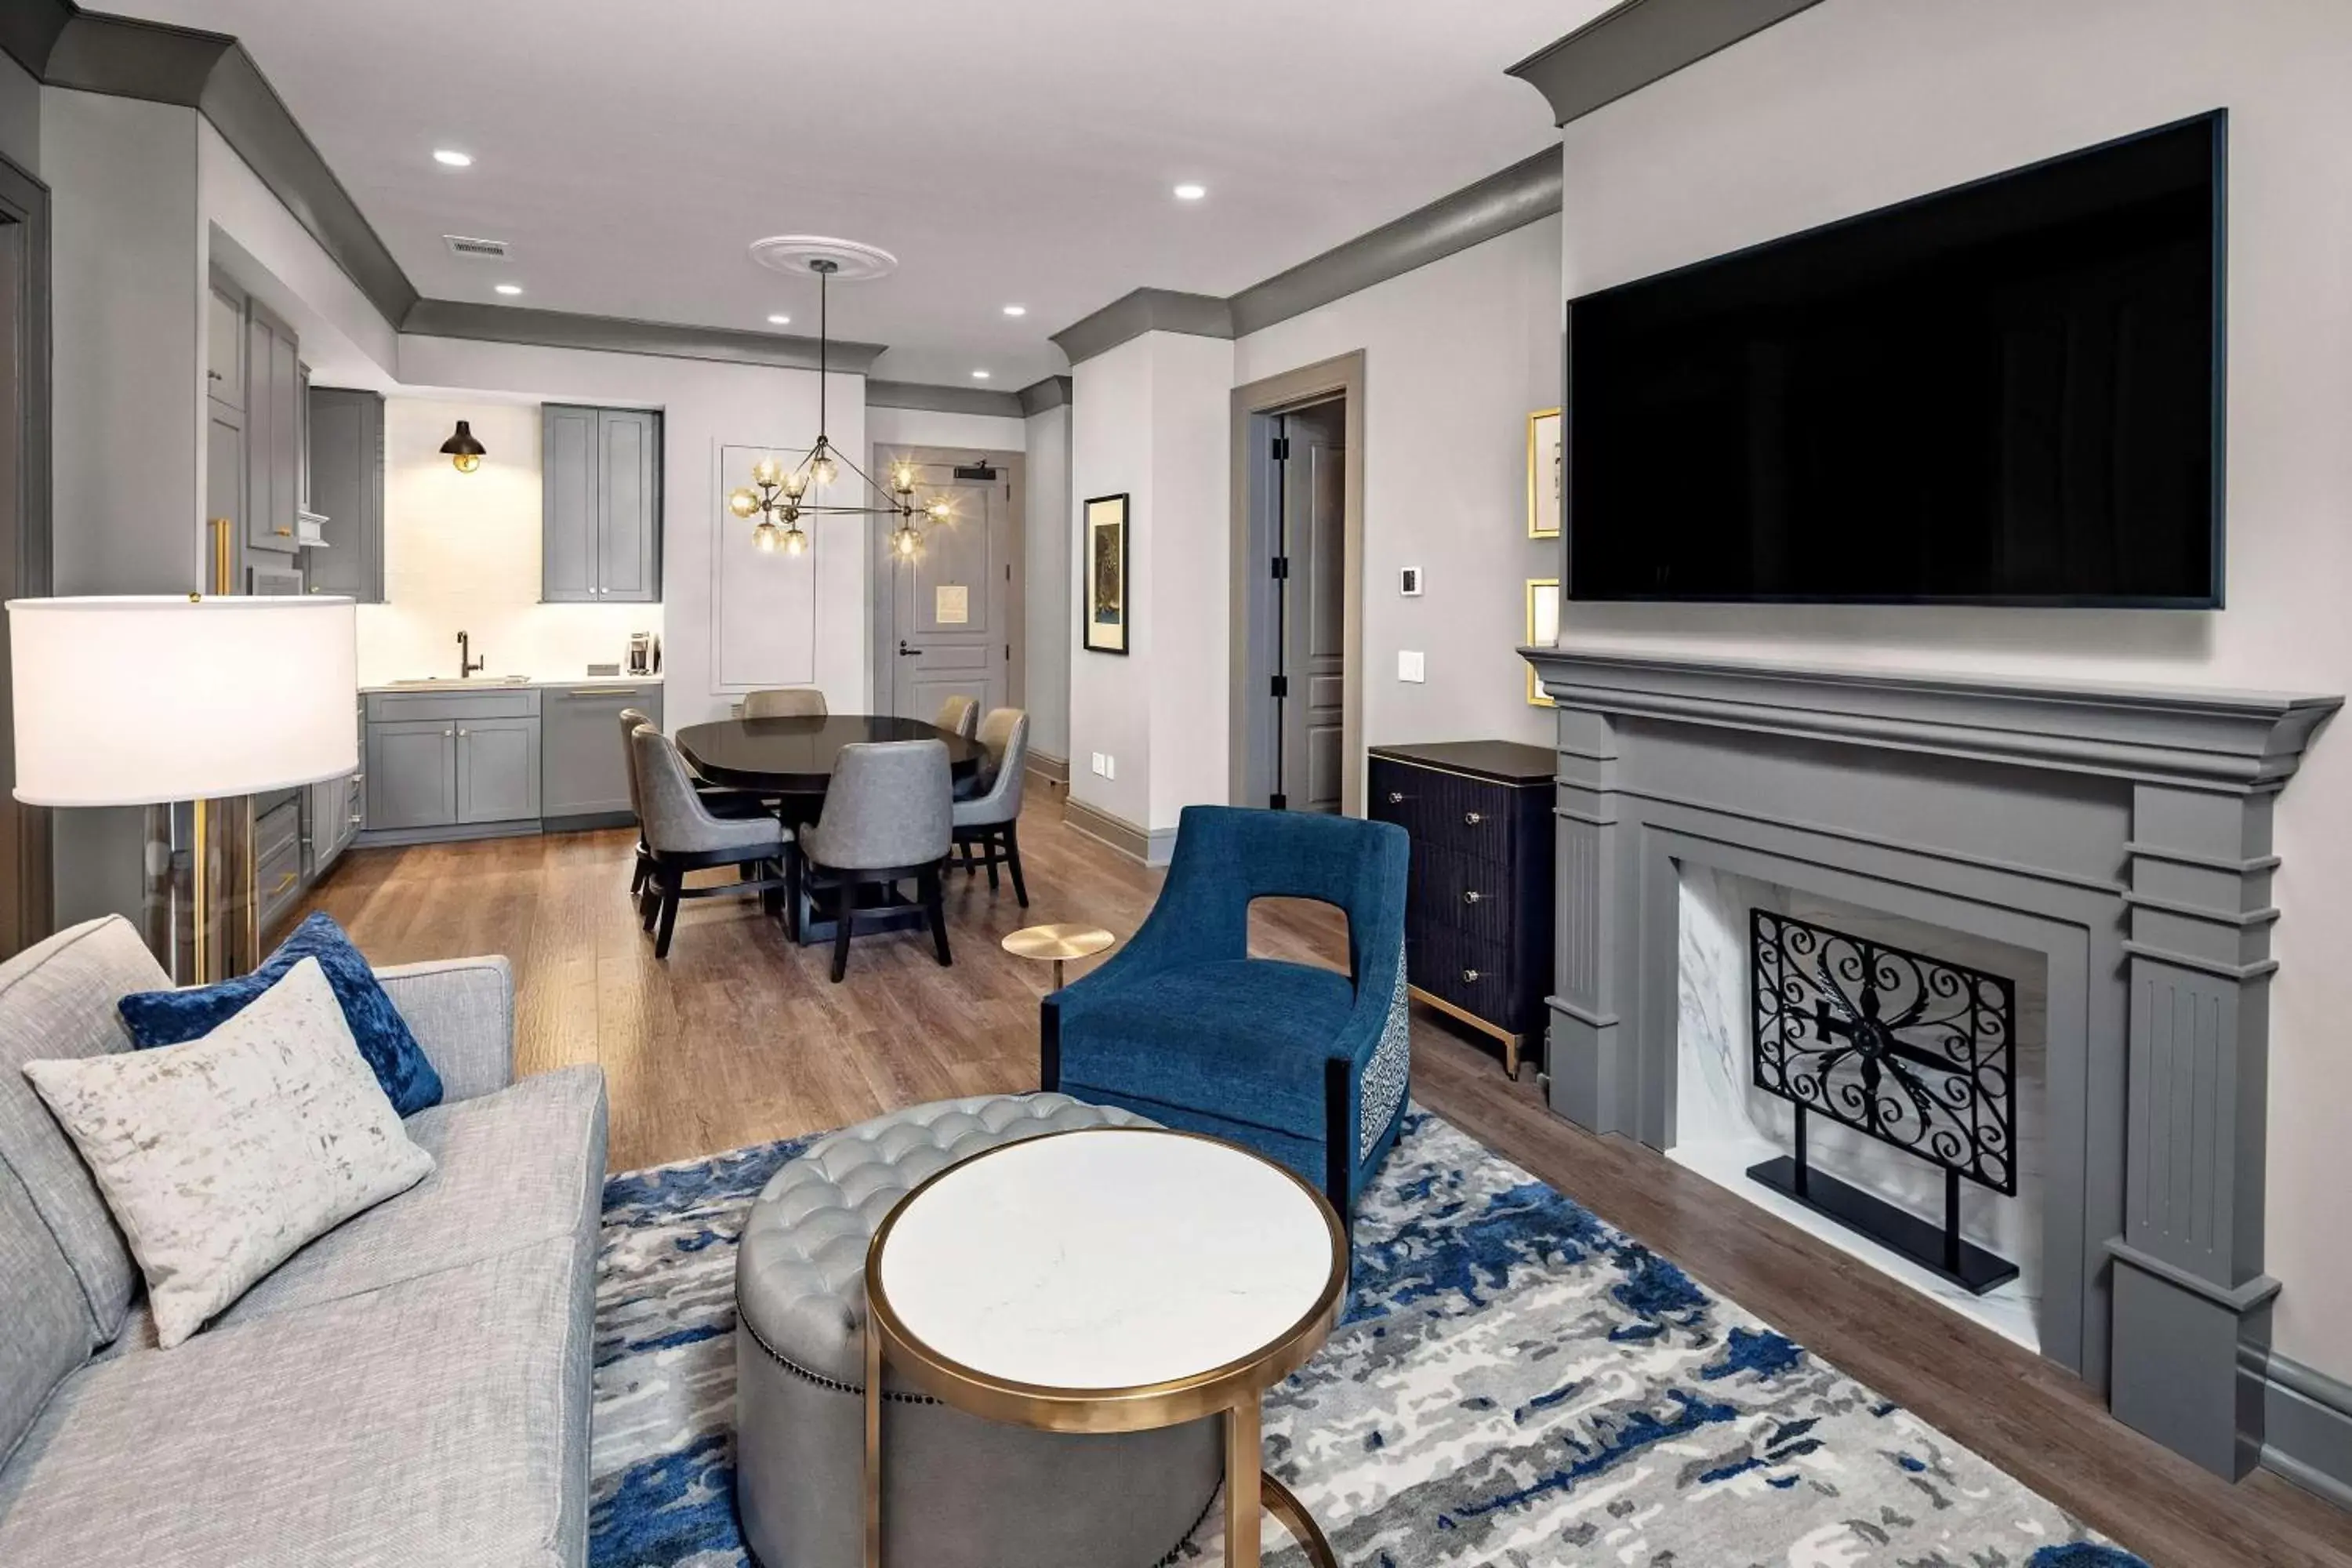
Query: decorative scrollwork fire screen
(1908, 1048)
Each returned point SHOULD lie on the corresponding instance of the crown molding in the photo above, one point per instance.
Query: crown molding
(1145, 310)
(940, 399)
(211, 73)
(1625, 49)
(615, 334)
(1054, 392)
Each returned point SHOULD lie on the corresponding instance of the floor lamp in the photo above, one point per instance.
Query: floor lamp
(157, 700)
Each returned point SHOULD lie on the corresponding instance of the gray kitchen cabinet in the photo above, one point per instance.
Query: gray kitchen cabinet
(601, 508)
(582, 772)
(411, 773)
(225, 347)
(277, 859)
(273, 460)
(497, 770)
(347, 487)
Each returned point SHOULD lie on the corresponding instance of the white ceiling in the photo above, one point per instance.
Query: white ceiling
(1016, 152)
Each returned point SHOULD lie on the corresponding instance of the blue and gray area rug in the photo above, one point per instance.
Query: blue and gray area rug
(1516, 1383)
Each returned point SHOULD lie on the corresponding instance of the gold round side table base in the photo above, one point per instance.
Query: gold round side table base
(1060, 943)
(1295, 1520)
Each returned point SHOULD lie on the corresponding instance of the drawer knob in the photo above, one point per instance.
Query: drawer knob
(1396, 798)
(447, 735)
(1470, 974)
(1473, 818)
(1473, 896)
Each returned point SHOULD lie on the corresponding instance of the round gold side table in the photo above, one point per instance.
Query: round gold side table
(1060, 942)
(1091, 1320)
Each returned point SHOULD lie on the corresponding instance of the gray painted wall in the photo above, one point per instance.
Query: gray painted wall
(1047, 535)
(20, 116)
(126, 313)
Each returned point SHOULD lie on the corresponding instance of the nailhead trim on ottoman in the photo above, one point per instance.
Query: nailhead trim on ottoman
(959, 1491)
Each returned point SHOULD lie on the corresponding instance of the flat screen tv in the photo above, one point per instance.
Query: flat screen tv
(2007, 393)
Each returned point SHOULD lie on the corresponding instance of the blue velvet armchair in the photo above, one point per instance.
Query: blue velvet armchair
(1307, 1065)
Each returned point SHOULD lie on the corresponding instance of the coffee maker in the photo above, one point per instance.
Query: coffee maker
(641, 653)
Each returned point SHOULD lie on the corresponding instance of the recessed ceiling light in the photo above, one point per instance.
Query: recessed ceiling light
(979, 375)
(510, 288)
(1016, 310)
(779, 320)
(453, 158)
(1190, 192)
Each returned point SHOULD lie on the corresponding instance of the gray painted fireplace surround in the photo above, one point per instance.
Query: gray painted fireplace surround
(2122, 832)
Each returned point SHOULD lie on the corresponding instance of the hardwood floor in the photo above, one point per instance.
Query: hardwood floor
(740, 1038)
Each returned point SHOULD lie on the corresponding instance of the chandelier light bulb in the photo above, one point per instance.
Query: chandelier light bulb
(742, 502)
(823, 471)
(765, 537)
(764, 472)
(795, 543)
(902, 479)
(939, 509)
(795, 484)
(905, 539)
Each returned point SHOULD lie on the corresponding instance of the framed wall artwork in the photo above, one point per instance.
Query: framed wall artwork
(1106, 620)
(1543, 630)
(1546, 473)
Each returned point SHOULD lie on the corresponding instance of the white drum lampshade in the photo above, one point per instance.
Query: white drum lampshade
(143, 700)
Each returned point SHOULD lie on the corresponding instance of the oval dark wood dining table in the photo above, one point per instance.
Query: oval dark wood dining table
(796, 757)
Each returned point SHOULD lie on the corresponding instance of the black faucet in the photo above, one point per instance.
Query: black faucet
(466, 664)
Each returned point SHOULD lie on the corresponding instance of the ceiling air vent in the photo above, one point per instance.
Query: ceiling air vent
(475, 249)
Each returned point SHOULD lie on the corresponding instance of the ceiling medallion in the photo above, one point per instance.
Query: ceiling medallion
(779, 496)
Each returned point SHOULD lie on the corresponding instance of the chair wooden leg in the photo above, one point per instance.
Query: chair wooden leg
(990, 852)
(1012, 861)
(637, 871)
(672, 881)
(649, 896)
(935, 906)
(842, 918)
(792, 891)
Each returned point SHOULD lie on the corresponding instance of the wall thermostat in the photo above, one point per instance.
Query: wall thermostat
(1409, 582)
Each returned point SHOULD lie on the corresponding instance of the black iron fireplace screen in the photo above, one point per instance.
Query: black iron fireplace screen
(1911, 1049)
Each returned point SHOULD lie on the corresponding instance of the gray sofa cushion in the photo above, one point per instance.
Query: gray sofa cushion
(57, 1000)
(45, 1329)
(443, 1420)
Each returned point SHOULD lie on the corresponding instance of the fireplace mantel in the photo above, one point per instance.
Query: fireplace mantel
(2122, 831)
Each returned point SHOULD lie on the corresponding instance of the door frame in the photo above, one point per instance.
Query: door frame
(1341, 376)
(24, 201)
(881, 668)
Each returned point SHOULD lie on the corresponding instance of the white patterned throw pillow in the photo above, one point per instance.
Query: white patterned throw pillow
(221, 1157)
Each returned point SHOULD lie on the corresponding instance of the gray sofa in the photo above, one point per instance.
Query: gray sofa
(412, 1388)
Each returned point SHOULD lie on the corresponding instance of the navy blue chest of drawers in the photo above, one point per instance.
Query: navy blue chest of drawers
(1478, 917)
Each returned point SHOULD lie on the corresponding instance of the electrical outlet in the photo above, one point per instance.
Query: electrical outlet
(1110, 766)
(1409, 665)
(1409, 582)
(1098, 763)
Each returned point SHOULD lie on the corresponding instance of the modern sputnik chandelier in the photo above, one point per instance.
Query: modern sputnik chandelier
(779, 495)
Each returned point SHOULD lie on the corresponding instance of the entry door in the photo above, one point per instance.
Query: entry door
(1313, 650)
(951, 633)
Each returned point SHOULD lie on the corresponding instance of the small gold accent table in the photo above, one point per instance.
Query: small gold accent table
(1041, 1283)
(1060, 943)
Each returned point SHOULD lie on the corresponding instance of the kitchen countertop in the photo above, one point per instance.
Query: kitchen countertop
(508, 682)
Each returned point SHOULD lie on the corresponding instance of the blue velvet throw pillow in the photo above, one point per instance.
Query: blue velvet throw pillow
(174, 1017)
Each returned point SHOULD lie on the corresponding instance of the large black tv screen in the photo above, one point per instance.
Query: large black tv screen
(2008, 393)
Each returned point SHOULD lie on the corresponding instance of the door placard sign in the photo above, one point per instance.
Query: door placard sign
(951, 604)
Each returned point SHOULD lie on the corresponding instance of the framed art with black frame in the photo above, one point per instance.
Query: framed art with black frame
(1106, 621)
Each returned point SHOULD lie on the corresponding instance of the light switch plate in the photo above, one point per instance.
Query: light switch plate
(1409, 582)
(1110, 766)
(1409, 665)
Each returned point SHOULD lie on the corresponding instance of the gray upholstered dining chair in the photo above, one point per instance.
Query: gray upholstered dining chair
(987, 825)
(887, 816)
(722, 801)
(784, 702)
(957, 716)
(682, 834)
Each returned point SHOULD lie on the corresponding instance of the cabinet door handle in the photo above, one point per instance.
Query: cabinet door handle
(282, 532)
(355, 819)
(446, 733)
(1470, 974)
(284, 882)
(604, 691)
(1473, 818)
(1473, 896)
(463, 733)
(1396, 798)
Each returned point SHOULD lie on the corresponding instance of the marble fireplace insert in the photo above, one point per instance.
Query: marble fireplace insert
(2123, 834)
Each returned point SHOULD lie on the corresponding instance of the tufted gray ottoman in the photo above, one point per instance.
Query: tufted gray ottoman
(959, 1492)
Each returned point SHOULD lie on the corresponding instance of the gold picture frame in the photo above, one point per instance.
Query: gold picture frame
(1546, 473)
(1543, 631)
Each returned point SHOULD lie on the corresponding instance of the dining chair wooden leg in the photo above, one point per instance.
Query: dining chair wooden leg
(935, 906)
(843, 916)
(649, 896)
(637, 871)
(987, 854)
(672, 880)
(792, 891)
(1012, 861)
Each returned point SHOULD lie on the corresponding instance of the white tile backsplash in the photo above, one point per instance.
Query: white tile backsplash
(462, 553)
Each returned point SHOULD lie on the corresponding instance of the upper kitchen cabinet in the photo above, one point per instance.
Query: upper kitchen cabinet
(347, 488)
(273, 431)
(600, 503)
(225, 347)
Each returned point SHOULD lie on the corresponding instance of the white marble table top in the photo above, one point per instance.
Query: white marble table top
(1105, 1260)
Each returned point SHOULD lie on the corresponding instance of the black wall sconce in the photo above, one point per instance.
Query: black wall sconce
(464, 452)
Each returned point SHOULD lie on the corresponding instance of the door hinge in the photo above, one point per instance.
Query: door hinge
(1282, 448)
(1282, 568)
(1008, 571)
(1278, 801)
(1008, 653)
(1282, 686)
